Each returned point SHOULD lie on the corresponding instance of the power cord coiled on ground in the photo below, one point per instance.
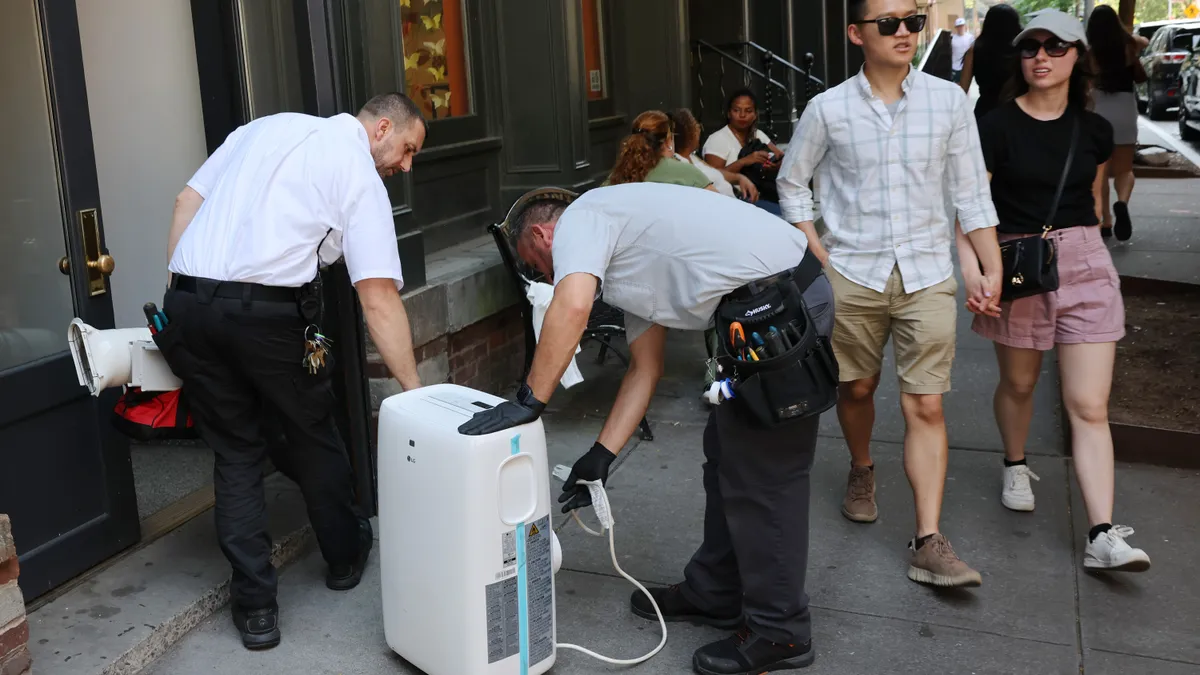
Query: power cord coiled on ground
(604, 515)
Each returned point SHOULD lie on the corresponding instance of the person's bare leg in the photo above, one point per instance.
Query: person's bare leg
(1120, 167)
(1086, 371)
(926, 450)
(1013, 401)
(856, 413)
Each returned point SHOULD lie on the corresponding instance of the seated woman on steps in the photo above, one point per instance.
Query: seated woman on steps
(648, 155)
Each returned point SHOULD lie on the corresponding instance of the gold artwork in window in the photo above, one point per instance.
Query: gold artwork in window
(435, 65)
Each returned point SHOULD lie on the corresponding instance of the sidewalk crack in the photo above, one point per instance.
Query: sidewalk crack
(1074, 565)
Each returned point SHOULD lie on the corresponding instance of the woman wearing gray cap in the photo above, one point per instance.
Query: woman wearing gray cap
(1046, 155)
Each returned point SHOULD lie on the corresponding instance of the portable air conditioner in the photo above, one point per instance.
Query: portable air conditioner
(466, 548)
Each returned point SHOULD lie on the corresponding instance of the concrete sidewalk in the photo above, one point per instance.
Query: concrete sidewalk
(1166, 231)
(1037, 611)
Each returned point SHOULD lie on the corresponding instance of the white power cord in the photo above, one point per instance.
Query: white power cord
(604, 515)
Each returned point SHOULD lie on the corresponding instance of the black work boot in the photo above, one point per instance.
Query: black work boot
(259, 627)
(675, 607)
(345, 576)
(745, 653)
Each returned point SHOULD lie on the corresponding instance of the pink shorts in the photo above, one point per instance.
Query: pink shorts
(1087, 307)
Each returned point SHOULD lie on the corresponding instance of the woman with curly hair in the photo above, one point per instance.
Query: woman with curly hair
(648, 155)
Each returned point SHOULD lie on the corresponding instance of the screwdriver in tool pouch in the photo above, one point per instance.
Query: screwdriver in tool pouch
(151, 312)
(776, 342)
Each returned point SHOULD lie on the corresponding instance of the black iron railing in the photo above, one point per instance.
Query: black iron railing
(737, 54)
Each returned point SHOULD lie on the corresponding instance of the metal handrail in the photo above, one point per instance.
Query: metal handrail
(746, 66)
(779, 59)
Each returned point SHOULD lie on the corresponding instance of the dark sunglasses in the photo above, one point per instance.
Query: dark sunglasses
(1055, 47)
(888, 25)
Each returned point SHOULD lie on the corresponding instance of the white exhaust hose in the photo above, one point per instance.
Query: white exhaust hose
(604, 514)
(118, 357)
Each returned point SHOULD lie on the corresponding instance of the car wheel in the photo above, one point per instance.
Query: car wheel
(1141, 105)
(1186, 131)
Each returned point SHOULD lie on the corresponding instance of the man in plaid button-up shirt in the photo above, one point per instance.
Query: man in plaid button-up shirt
(892, 147)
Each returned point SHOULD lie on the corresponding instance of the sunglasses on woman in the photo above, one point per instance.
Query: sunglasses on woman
(888, 25)
(1055, 47)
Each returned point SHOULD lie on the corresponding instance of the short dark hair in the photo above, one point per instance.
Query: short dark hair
(545, 211)
(856, 10)
(397, 107)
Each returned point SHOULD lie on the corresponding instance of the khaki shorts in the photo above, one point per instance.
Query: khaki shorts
(922, 326)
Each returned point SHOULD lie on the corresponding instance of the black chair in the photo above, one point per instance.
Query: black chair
(605, 321)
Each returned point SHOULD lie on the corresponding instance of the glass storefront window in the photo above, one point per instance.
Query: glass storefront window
(435, 57)
(594, 59)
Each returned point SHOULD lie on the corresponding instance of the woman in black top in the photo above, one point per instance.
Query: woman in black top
(990, 60)
(1115, 60)
(1025, 143)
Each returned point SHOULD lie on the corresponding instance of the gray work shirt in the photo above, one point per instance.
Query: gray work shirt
(666, 254)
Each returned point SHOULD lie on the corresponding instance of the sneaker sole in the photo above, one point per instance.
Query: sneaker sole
(1014, 506)
(694, 619)
(257, 642)
(859, 517)
(923, 576)
(803, 661)
(1131, 566)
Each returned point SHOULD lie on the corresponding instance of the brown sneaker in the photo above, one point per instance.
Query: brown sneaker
(859, 504)
(935, 563)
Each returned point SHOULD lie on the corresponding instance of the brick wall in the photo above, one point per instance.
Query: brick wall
(488, 355)
(14, 631)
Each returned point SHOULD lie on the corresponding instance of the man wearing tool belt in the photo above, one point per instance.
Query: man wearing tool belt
(667, 255)
(282, 196)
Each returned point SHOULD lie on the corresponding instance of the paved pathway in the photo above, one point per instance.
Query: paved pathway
(1166, 231)
(1037, 611)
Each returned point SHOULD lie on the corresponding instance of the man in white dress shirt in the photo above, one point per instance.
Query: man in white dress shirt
(888, 144)
(283, 196)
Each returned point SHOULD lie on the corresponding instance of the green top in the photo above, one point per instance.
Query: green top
(673, 171)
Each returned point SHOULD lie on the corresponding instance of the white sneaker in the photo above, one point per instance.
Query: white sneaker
(1017, 494)
(1110, 552)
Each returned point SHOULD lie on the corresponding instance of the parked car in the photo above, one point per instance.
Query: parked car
(1148, 29)
(1189, 94)
(1168, 49)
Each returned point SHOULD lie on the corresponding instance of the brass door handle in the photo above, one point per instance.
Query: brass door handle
(104, 264)
(64, 265)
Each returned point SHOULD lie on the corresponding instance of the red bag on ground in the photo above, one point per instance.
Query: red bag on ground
(153, 415)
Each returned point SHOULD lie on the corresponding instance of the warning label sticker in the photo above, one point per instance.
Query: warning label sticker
(503, 630)
(540, 591)
(508, 548)
(502, 599)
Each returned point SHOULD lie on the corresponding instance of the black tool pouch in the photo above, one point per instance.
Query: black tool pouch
(799, 383)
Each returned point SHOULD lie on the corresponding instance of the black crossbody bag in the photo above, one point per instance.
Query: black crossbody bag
(1030, 263)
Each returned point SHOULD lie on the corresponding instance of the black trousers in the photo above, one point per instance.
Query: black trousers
(756, 485)
(242, 372)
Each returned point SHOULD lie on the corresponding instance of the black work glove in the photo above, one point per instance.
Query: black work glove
(506, 415)
(592, 466)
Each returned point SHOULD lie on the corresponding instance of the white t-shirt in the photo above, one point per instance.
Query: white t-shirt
(666, 254)
(725, 145)
(718, 179)
(276, 190)
(959, 44)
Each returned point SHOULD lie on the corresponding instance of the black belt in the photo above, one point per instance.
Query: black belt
(803, 275)
(235, 290)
